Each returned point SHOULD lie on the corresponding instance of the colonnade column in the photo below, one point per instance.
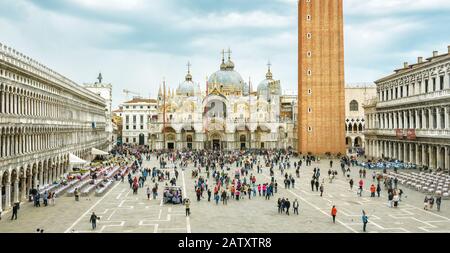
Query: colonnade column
(8, 194)
(447, 159)
(438, 157)
(24, 187)
(430, 119)
(41, 178)
(424, 159)
(34, 180)
(379, 143)
(417, 154)
(446, 117)
(424, 119)
(1, 194)
(438, 118)
(29, 183)
(16, 189)
(406, 152)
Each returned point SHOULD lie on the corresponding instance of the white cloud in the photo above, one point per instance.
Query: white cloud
(254, 19)
(126, 5)
(377, 34)
(380, 8)
(76, 44)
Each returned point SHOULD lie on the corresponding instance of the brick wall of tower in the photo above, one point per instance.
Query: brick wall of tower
(326, 82)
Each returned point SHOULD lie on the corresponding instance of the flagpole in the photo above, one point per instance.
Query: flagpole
(206, 113)
(164, 113)
(249, 111)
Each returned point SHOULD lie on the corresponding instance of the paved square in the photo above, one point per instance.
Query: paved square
(122, 211)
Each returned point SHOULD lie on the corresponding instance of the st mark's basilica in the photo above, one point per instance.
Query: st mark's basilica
(228, 115)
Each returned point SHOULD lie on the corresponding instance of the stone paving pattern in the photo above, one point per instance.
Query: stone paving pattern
(123, 212)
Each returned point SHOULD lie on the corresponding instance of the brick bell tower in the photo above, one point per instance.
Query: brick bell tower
(321, 108)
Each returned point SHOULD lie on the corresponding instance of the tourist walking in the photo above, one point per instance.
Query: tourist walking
(37, 200)
(279, 205)
(155, 191)
(360, 190)
(77, 194)
(321, 190)
(333, 213)
(45, 198)
(187, 203)
(149, 192)
(93, 220)
(15, 209)
(425, 203)
(224, 197)
(431, 202)
(365, 220)
(438, 203)
(396, 198)
(390, 198)
(216, 198)
(372, 191)
(378, 190)
(295, 206)
(287, 204)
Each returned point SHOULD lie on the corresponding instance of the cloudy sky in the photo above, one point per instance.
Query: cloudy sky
(135, 43)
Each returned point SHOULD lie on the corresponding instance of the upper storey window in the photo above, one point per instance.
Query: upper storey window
(354, 106)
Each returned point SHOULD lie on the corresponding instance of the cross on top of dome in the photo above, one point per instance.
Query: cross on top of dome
(268, 74)
(230, 64)
(223, 66)
(229, 54)
(188, 75)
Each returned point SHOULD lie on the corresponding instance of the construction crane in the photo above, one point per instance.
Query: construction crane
(128, 91)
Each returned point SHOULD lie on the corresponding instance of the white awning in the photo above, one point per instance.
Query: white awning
(95, 151)
(73, 159)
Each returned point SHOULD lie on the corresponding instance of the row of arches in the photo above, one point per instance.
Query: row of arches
(432, 155)
(356, 142)
(19, 101)
(354, 127)
(30, 139)
(242, 138)
(221, 124)
(422, 118)
(16, 182)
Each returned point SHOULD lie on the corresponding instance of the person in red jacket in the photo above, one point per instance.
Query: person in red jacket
(333, 213)
(360, 190)
(372, 190)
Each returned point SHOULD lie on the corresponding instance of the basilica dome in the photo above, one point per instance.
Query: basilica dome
(264, 88)
(227, 79)
(187, 88)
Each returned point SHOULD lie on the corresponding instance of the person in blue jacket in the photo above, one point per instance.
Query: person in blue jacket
(365, 219)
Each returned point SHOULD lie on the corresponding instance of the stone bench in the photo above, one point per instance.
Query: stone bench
(102, 190)
(80, 185)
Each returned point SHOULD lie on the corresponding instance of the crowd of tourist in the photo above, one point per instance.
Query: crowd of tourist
(223, 176)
